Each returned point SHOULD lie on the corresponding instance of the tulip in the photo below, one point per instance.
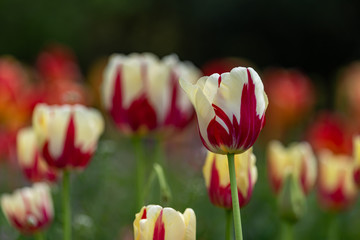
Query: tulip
(230, 108)
(348, 92)
(298, 160)
(29, 210)
(292, 97)
(57, 63)
(231, 113)
(33, 165)
(156, 223)
(329, 131)
(16, 104)
(336, 185)
(217, 178)
(142, 94)
(67, 135)
(356, 145)
(222, 65)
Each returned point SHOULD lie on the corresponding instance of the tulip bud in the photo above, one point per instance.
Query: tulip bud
(33, 165)
(291, 201)
(29, 209)
(67, 135)
(336, 186)
(142, 93)
(217, 179)
(156, 223)
(230, 108)
(298, 160)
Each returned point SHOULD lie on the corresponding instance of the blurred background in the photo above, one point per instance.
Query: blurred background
(314, 44)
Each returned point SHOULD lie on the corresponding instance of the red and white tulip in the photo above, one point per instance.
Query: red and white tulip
(298, 160)
(33, 165)
(230, 109)
(156, 223)
(142, 92)
(68, 134)
(336, 185)
(217, 179)
(29, 209)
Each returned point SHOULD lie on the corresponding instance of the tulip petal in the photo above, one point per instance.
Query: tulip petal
(190, 224)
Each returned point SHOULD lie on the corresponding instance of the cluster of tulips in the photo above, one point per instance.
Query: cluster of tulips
(230, 108)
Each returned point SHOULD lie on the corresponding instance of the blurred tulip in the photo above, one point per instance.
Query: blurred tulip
(16, 104)
(297, 160)
(217, 179)
(33, 165)
(292, 97)
(348, 92)
(67, 92)
(67, 135)
(356, 155)
(223, 65)
(57, 63)
(95, 79)
(29, 210)
(156, 223)
(142, 93)
(336, 186)
(329, 131)
(230, 108)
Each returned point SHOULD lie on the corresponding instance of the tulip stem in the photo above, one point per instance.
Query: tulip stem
(66, 205)
(286, 230)
(333, 232)
(139, 152)
(228, 228)
(235, 197)
(39, 236)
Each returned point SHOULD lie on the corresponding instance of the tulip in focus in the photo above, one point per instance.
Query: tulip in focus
(336, 185)
(156, 223)
(33, 165)
(217, 179)
(29, 210)
(142, 93)
(230, 109)
(67, 135)
(298, 160)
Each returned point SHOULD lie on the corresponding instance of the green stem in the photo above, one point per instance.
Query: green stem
(66, 205)
(286, 231)
(333, 232)
(228, 228)
(235, 198)
(139, 152)
(39, 236)
(164, 187)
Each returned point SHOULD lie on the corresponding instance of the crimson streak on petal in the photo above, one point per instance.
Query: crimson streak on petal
(159, 230)
(240, 135)
(71, 155)
(139, 113)
(221, 196)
